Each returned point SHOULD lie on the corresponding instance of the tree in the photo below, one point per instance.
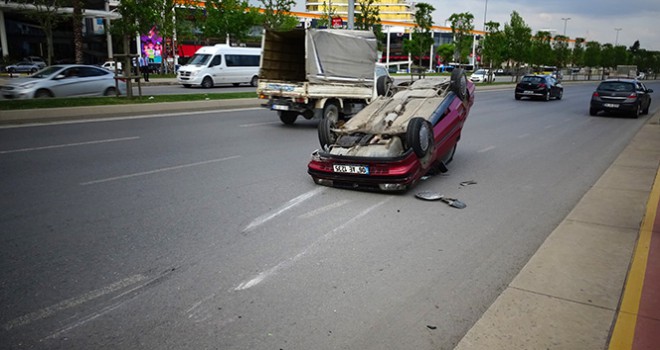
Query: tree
(592, 56)
(577, 56)
(368, 18)
(541, 52)
(77, 30)
(421, 40)
(494, 46)
(561, 51)
(229, 19)
(46, 13)
(276, 14)
(607, 56)
(137, 16)
(518, 41)
(461, 28)
(446, 52)
(326, 17)
(621, 55)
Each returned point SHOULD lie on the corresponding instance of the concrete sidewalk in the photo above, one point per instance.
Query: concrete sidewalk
(571, 292)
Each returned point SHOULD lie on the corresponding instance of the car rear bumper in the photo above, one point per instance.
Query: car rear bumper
(614, 106)
(384, 174)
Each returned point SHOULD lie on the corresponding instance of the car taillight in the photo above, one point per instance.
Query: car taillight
(632, 97)
(542, 86)
(595, 94)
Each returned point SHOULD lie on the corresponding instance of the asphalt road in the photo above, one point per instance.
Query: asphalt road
(205, 232)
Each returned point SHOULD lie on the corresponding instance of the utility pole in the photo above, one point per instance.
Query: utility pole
(565, 20)
(616, 42)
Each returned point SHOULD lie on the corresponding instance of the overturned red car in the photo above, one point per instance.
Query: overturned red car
(394, 141)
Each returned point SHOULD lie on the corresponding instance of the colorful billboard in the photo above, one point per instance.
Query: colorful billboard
(152, 46)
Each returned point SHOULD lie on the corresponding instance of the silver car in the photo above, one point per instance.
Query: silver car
(24, 67)
(64, 81)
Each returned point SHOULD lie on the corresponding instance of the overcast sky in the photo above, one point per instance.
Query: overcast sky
(589, 19)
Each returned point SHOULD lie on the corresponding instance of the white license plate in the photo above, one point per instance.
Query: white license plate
(611, 105)
(351, 169)
(527, 92)
(281, 107)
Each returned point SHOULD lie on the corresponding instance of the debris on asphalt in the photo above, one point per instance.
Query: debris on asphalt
(470, 182)
(434, 196)
(431, 327)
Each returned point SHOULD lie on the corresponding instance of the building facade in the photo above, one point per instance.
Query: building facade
(389, 10)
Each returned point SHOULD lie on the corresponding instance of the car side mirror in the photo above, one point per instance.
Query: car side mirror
(649, 91)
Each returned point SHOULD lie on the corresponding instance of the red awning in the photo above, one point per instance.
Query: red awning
(185, 50)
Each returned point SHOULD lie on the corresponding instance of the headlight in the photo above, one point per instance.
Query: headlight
(193, 73)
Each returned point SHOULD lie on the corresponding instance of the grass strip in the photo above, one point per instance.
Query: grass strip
(103, 101)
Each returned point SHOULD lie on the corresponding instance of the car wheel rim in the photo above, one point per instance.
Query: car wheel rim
(424, 137)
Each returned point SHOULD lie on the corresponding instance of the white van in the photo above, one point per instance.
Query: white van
(221, 64)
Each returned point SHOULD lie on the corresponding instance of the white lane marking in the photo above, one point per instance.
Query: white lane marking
(290, 204)
(69, 303)
(69, 145)
(324, 209)
(489, 148)
(289, 262)
(91, 317)
(143, 116)
(257, 124)
(157, 171)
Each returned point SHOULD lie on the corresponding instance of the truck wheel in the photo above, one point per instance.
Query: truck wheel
(419, 136)
(458, 83)
(326, 135)
(288, 118)
(331, 111)
(254, 81)
(207, 83)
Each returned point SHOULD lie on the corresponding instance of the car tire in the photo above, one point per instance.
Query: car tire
(638, 111)
(12, 70)
(326, 135)
(561, 94)
(546, 98)
(33, 70)
(593, 111)
(254, 81)
(517, 96)
(382, 87)
(458, 83)
(646, 109)
(207, 83)
(288, 117)
(419, 136)
(111, 91)
(331, 111)
(43, 94)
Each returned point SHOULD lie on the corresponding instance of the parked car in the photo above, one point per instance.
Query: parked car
(542, 87)
(37, 60)
(481, 76)
(394, 141)
(628, 96)
(23, 67)
(64, 81)
(110, 65)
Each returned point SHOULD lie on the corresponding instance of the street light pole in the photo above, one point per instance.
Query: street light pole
(485, 11)
(617, 36)
(565, 20)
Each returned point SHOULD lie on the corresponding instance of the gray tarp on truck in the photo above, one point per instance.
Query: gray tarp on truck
(319, 56)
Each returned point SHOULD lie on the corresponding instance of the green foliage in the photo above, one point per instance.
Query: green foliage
(276, 15)
(577, 55)
(461, 28)
(541, 51)
(518, 39)
(592, 54)
(327, 15)
(446, 52)
(230, 19)
(368, 18)
(420, 42)
(493, 45)
(561, 51)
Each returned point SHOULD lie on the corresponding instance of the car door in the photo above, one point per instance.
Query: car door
(644, 95)
(215, 68)
(66, 83)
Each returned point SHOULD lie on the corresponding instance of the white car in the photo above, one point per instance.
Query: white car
(110, 65)
(480, 76)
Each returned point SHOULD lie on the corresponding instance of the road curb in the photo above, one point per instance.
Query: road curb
(108, 111)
